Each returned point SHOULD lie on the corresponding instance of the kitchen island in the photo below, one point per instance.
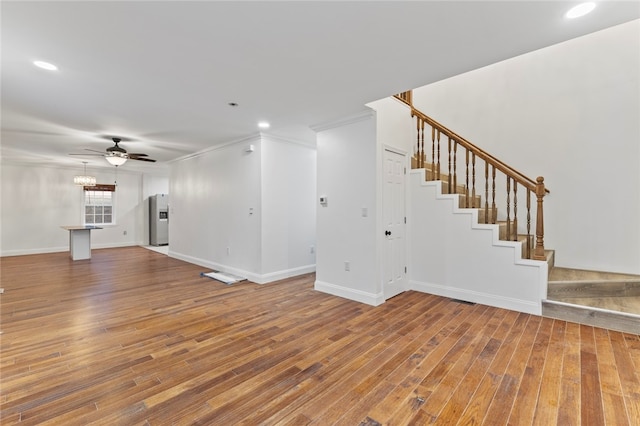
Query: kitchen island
(80, 241)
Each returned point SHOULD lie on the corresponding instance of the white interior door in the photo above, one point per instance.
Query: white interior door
(394, 224)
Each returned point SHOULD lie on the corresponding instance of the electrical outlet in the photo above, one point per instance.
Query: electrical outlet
(312, 249)
(228, 251)
(124, 232)
(347, 266)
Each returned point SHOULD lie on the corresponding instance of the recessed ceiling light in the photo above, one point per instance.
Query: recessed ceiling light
(264, 125)
(45, 65)
(580, 10)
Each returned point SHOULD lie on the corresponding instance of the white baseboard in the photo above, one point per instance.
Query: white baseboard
(112, 245)
(519, 305)
(286, 273)
(350, 293)
(24, 252)
(251, 276)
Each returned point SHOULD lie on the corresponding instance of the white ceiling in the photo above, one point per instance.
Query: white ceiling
(160, 74)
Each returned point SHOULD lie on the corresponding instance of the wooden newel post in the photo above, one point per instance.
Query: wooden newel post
(538, 252)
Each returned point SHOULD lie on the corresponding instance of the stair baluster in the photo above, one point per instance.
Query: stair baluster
(528, 223)
(455, 173)
(486, 192)
(433, 152)
(508, 209)
(494, 210)
(466, 186)
(420, 143)
(449, 180)
(438, 163)
(473, 180)
(515, 211)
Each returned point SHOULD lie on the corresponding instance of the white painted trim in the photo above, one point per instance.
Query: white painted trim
(251, 276)
(286, 273)
(276, 138)
(20, 252)
(251, 138)
(112, 245)
(8, 253)
(399, 151)
(355, 118)
(478, 297)
(349, 293)
(213, 265)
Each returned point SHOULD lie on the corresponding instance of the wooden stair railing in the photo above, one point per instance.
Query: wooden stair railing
(473, 154)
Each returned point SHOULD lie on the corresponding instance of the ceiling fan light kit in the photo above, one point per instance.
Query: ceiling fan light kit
(117, 156)
(115, 159)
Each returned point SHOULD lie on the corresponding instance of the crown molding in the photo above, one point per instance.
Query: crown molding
(255, 137)
(351, 119)
(276, 138)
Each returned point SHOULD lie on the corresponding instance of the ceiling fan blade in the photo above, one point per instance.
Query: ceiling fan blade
(90, 155)
(93, 150)
(143, 159)
(137, 154)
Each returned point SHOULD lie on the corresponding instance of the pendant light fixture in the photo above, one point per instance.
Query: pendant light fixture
(84, 180)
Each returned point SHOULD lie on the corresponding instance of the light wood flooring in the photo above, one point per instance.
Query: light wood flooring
(133, 337)
(604, 290)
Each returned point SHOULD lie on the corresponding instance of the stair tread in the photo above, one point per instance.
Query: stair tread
(560, 274)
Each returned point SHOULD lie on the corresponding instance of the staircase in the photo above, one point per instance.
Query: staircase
(465, 169)
(599, 299)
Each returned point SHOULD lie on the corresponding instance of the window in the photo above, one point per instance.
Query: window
(98, 205)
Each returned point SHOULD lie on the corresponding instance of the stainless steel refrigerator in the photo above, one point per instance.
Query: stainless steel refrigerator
(159, 220)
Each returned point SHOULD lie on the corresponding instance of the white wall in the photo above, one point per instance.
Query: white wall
(394, 125)
(348, 176)
(215, 209)
(246, 213)
(452, 255)
(37, 200)
(568, 112)
(288, 208)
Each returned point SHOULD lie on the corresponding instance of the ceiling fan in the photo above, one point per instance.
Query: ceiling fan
(117, 156)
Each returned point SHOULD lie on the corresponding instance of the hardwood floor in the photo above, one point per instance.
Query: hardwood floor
(133, 337)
